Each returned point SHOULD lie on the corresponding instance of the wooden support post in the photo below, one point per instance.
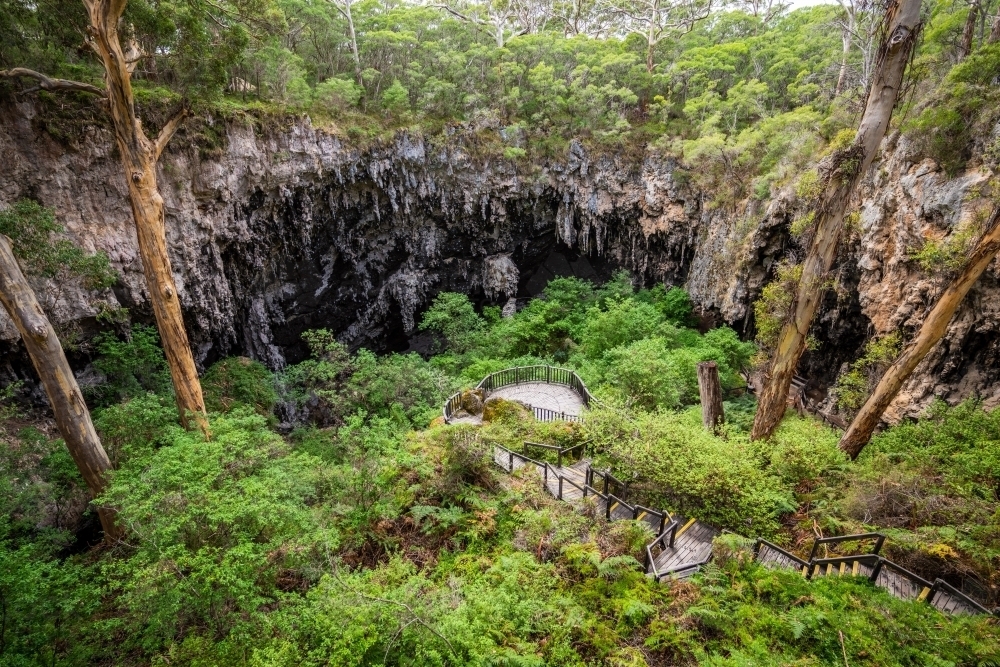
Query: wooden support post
(49, 360)
(710, 390)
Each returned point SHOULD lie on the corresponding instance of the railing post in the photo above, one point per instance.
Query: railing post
(560, 488)
(875, 570)
(663, 523)
(559, 454)
(510, 455)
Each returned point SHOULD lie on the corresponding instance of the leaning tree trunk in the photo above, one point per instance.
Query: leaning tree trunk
(47, 355)
(710, 392)
(139, 156)
(933, 328)
(843, 170)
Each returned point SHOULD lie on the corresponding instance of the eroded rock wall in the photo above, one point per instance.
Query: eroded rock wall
(280, 230)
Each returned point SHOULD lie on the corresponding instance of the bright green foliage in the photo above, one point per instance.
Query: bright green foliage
(213, 525)
(357, 541)
(31, 227)
(336, 95)
(687, 469)
(42, 602)
(401, 386)
(854, 386)
(964, 105)
(239, 381)
(754, 616)
(396, 99)
(452, 317)
(136, 427)
(132, 366)
(620, 323)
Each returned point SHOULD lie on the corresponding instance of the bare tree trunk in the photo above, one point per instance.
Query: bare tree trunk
(843, 170)
(354, 42)
(933, 328)
(995, 30)
(846, 39)
(965, 46)
(139, 156)
(710, 391)
(50, 363)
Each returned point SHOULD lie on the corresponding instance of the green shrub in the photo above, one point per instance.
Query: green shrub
(31, 227)
(239, 381)
(132, 366)
(336, 95)
(214, 528)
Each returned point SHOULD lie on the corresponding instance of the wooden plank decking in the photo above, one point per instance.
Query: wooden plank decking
(693, 542)
(692, 545)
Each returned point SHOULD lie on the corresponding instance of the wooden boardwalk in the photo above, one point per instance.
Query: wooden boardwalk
(692, 547)
(685, 544)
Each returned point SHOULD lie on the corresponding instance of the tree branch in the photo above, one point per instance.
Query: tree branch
(461, 16)
(169, 128)
(48, 83)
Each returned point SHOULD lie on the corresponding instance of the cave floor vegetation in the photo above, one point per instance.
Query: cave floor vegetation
(333, 519)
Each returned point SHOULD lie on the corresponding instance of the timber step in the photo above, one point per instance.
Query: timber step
(684, 544)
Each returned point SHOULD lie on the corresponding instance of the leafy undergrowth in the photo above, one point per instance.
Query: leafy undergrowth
(364, 537)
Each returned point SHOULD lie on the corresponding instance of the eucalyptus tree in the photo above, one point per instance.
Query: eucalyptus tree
(189, 45)
(841, 172)
(935, 324)
(656, 20)
(31, 227)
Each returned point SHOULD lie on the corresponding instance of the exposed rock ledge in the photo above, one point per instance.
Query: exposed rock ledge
(289, 229)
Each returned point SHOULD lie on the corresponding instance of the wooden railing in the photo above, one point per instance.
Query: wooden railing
(880, 571)
(895, 578)
(560, 451)
(860, 537)
(521, 375)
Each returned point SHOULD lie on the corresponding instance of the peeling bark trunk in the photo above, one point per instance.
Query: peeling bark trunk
(139, 156)
(50, 363)
(710, 391)
(843, 172)
(932, 330)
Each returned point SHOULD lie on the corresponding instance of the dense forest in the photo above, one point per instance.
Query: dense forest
(153, 512)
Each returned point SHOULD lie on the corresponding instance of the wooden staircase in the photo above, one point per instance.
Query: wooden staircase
(684, 544)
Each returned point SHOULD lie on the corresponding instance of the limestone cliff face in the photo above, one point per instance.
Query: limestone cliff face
(281, 230)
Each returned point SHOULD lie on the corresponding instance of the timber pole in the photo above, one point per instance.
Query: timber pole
(71, 413)
(710, 392)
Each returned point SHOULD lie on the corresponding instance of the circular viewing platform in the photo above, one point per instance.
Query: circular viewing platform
(552, 394)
